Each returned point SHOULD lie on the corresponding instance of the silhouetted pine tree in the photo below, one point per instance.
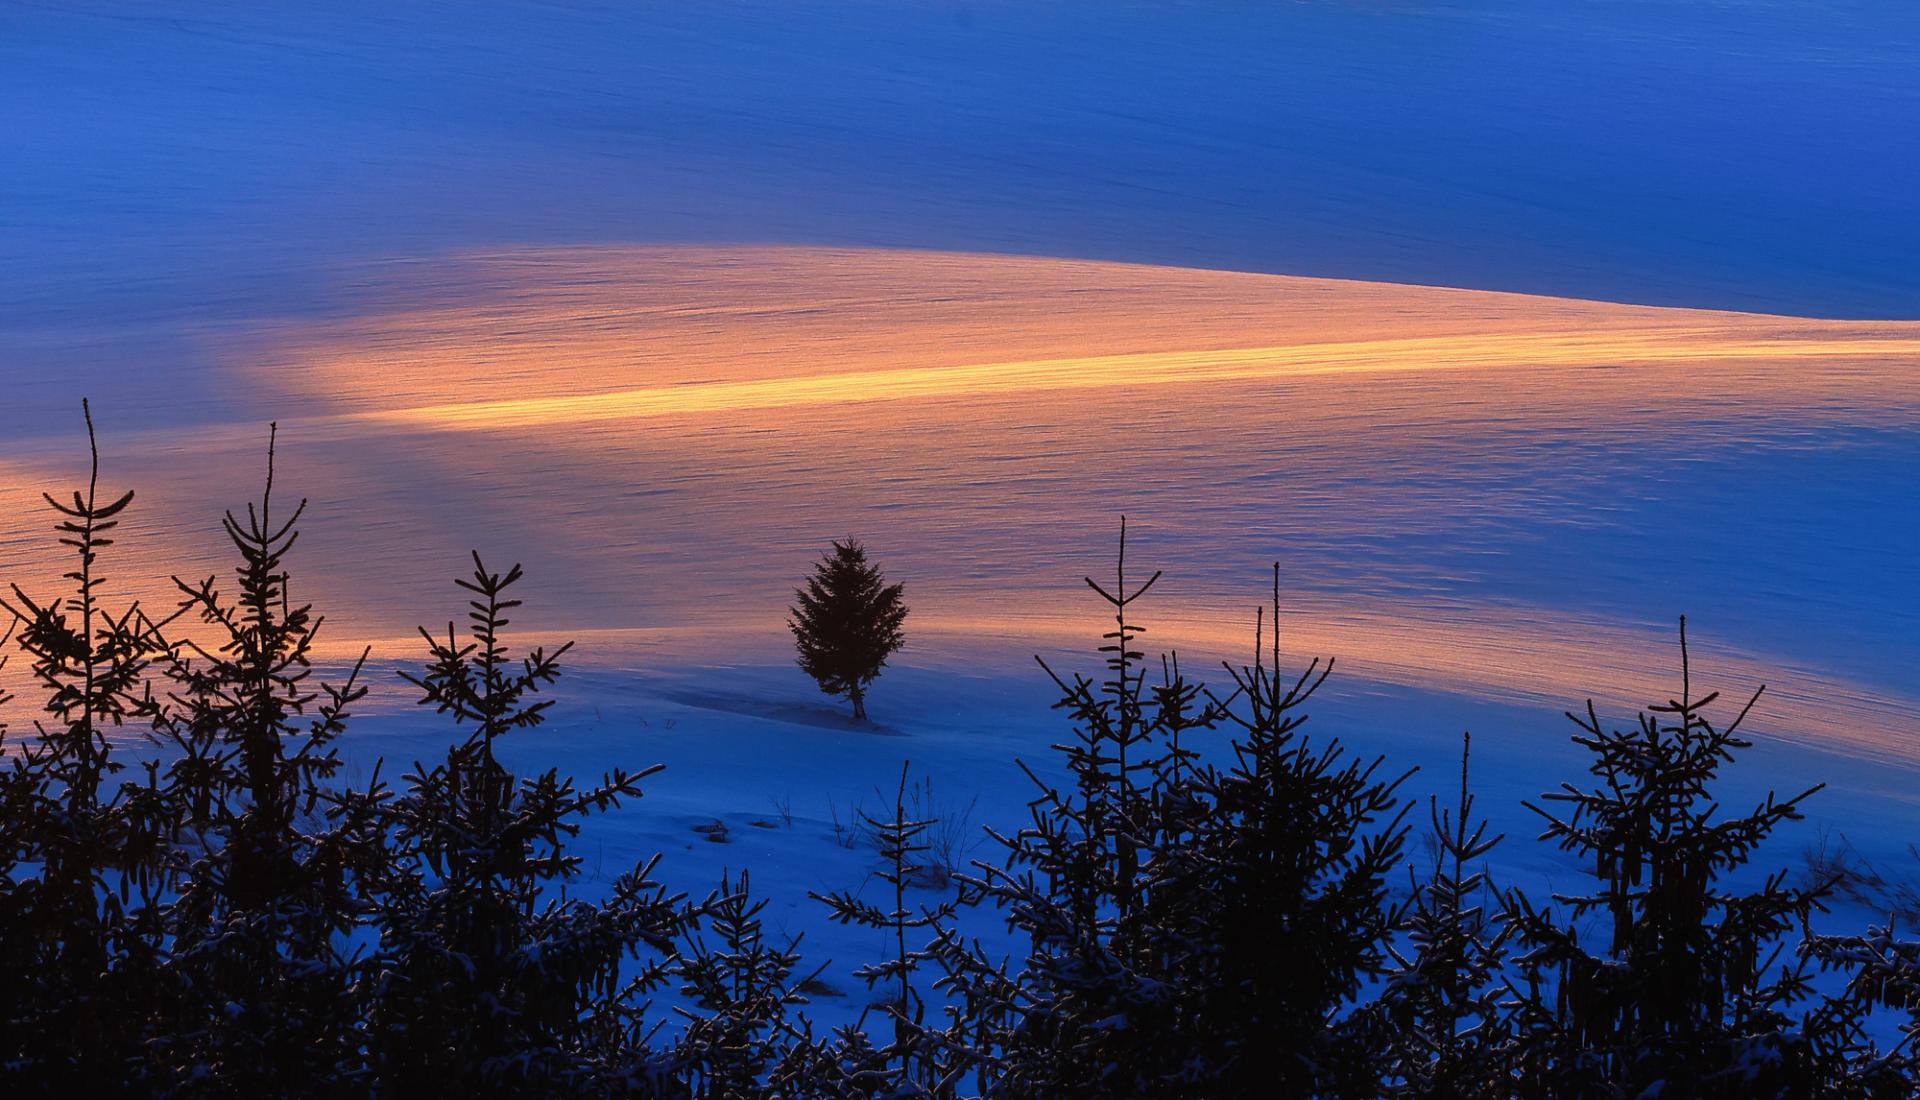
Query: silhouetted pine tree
(1095, 1010)
(744, 987)
(88, 865)
(262, 917)
(1439, 1008)
(1289, 877)
(1193, 929)
(491, 978)
(846, 623)
(909, 1065)
(1687, 992)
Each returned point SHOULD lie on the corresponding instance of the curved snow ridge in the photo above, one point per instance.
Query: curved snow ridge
(1138, 370)
(1469, 490)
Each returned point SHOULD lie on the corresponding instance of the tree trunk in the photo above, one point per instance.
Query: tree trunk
(859, 704)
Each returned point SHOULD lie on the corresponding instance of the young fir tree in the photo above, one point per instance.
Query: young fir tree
(88, 866)
(1439, 1008)
(1192, 928)
(492, 979)
(846, 623)
(1686, 991)
(743, 986)
(908, 1060)
(263, 913)
(1096, 1009)
(1289, 880)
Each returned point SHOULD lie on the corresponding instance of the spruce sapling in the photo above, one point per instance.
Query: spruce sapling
(1684, 988)
(846, 623)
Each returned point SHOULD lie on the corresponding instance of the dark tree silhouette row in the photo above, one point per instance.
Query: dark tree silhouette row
(1203, 895)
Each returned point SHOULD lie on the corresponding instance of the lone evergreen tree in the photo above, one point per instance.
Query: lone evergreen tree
(846, 623)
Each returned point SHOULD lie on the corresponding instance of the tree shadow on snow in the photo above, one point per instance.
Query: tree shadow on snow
(773, 710)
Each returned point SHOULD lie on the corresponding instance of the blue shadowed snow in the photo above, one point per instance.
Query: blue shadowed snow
(173, 171)
(207, 158)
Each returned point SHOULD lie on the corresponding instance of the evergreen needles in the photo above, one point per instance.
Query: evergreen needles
(846, 623)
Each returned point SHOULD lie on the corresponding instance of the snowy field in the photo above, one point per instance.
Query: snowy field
(658, 299)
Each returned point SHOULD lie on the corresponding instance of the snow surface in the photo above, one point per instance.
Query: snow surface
(214, 216)
(1729, 153)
